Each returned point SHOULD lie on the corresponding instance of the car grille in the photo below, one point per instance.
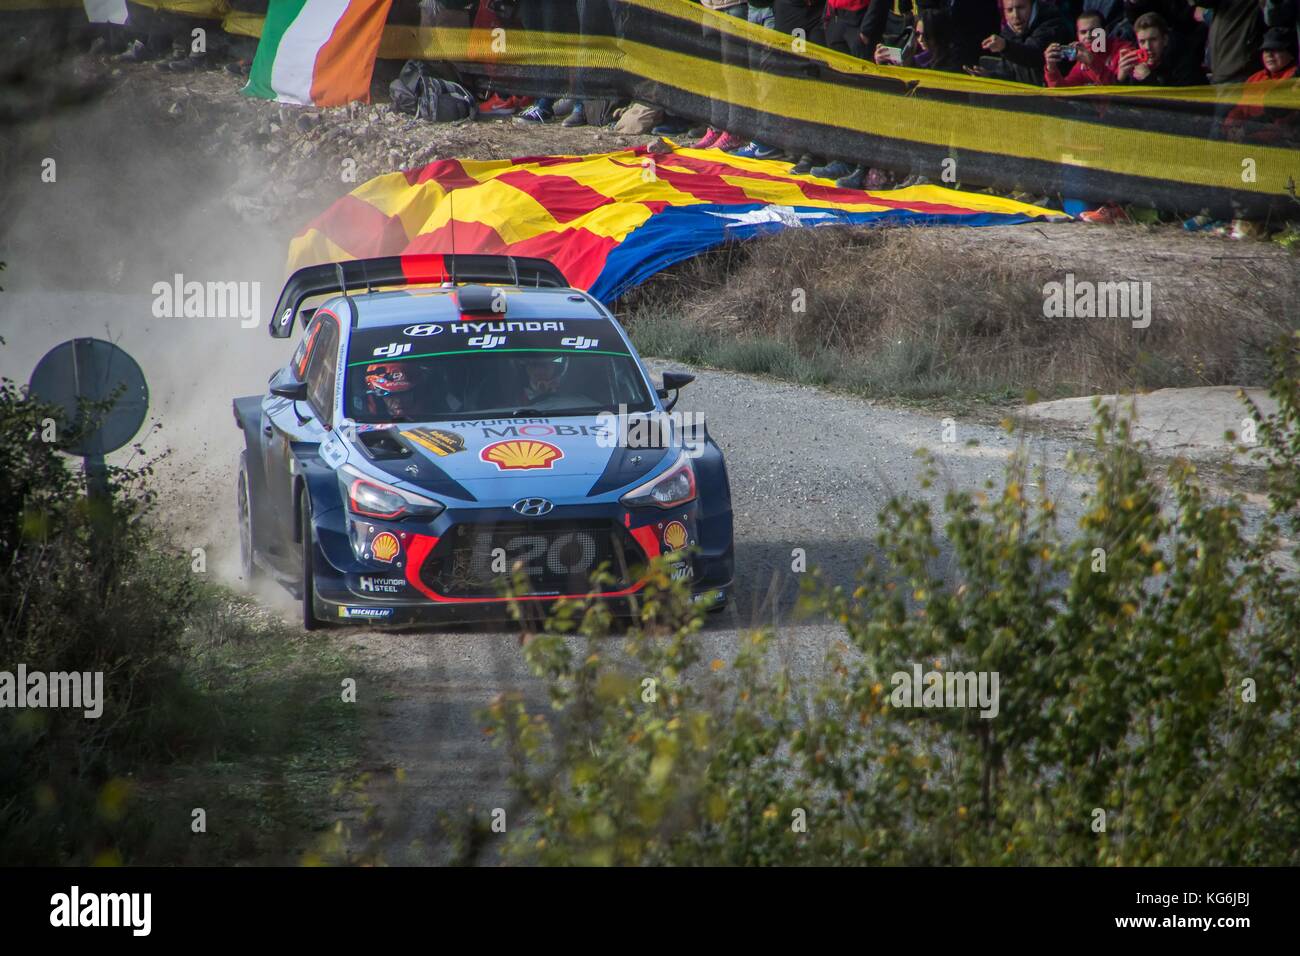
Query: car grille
(477, 560)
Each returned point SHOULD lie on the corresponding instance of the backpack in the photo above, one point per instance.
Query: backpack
(418, 91)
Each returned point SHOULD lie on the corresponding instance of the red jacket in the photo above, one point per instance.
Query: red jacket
(1103, 72)
(1251, 106)
(853, 5)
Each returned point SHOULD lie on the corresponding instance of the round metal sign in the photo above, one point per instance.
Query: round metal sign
(93, 370)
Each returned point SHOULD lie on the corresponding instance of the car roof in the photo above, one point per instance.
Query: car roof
(382, 309)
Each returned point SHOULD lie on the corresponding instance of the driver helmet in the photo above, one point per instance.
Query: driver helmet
(387, 378)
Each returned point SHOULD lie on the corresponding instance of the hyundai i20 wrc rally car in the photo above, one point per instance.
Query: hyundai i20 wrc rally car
(447, 423)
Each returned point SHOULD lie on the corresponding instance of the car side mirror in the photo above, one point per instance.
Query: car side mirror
(290, 388)
(673, 382)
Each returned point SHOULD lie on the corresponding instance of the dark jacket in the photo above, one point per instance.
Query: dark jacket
(1024, 52)
(1179, 67)
(1235, 35)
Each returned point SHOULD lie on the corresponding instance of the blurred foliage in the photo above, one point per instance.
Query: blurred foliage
(1148, 698)
(207, 702)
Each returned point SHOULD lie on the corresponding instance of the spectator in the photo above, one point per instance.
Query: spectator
(1085, 66)
(717, 136)
(1235, 34)
(1029, 29)
(804, 15)
(887, 23)
(844, 26)
(1161, 58)
(936, 41)
(1278, 52)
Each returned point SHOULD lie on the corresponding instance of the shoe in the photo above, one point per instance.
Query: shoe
(186, 64)
(805, 164)
(237, 67)
(727, 142)
(832, 170)
(135, 53)
(672, 126)
(1109, 214)
(1200, 222)
(756, 150)
(1247, 229)
(707, 140)
(918, 180)
(564, 106)
(854, 180)
(577, 117)
(535, 114)
(496, 105)
(876, 179)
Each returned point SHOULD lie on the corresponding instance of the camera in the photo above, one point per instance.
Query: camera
(1069, 53)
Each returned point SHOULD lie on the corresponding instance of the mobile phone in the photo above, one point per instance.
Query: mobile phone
(1143, 55)
(1069, 53)
(894, 54)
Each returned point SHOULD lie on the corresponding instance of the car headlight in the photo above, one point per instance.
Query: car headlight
(674, 487)
(375, 499)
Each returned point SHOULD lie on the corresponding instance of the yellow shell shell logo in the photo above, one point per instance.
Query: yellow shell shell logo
(384, 547)
(675, 536)
(519, 454)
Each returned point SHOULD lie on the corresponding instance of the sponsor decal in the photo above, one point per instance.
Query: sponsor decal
(675, 536)
(393, 349)
(543, 431)
(580, 342)
(384, 547)
(436, 440)
(332, 451)
(365, 612)
(521, 455)
(477, 423)
(382, 585)
(486, 341)
(479, 327)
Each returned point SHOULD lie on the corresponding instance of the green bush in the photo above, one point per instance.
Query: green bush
(1147, 708)
(82, 588)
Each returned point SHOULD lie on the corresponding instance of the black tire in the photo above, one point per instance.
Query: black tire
(244, 509)
(309, 620)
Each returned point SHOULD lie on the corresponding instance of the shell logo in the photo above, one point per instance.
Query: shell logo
(675, 536)
(384, 547)
(517, 454)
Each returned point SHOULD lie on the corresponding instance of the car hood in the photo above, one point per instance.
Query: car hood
(502, 460)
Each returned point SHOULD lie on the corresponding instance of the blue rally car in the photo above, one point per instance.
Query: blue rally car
(449, 423)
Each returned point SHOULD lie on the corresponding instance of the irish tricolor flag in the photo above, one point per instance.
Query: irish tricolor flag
(318, 52)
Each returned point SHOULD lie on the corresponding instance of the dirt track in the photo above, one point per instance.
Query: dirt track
(159, 180)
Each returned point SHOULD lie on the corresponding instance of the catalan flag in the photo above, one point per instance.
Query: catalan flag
(611, 220)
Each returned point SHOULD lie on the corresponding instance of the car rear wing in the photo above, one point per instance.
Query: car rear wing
(345, 277)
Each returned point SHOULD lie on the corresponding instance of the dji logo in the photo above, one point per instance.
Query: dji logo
(580, 342)
(487, 341)
(392, 350)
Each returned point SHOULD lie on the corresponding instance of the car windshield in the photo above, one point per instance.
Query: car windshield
(391, 378)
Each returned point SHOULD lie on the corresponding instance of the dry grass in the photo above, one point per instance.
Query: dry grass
(921, 314)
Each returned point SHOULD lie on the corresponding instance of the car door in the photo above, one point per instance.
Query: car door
(286, 422)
